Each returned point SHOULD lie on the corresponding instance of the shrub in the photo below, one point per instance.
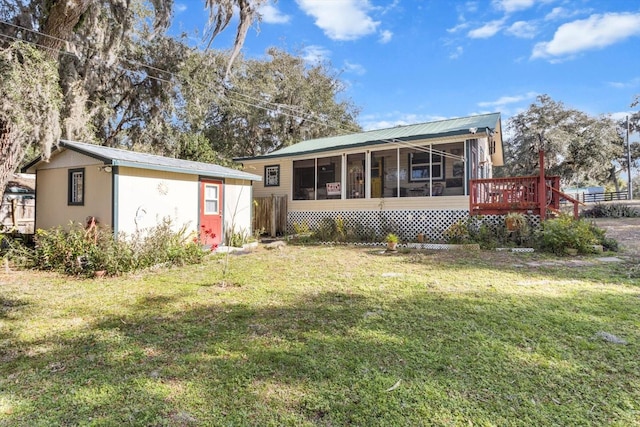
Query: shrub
(613, 210)
(556, 235)
(77, 251)
(480, 232)
(610, 244)
(341, 230)
(301, 227)
(237, 239)
(457, 232)
(162, 245)
(327, 230)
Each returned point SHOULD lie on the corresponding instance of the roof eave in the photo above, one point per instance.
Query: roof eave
(364, 144)
(31, 167)
(219, 174)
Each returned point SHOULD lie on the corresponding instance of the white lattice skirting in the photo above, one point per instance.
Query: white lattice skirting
(406, 223)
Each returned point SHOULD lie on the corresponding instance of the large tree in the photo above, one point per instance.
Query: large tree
(274, 102)
(579, 148)
(634, 118)
(106, 72)
(29, 105)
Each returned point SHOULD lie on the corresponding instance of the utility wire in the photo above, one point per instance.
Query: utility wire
(278, 106)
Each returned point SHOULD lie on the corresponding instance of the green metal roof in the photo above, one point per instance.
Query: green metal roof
(118, 157)
(436, 129)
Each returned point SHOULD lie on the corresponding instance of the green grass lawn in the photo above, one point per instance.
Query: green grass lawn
(325, 336)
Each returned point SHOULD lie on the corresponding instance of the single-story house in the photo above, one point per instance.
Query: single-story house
(413, 179)
(130, 191)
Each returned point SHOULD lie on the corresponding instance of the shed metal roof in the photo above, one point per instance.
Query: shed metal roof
(435, 129)
(118, 157)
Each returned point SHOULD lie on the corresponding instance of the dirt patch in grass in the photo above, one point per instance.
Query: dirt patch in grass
(625, 230)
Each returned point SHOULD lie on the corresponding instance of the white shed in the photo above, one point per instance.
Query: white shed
(131, 191)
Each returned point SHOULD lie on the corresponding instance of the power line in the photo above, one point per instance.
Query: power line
(278, 107)
(64, 52)
(61, 51)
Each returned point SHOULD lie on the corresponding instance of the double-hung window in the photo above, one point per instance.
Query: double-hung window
(76, 187)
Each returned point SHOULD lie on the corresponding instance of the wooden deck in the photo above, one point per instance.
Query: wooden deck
(499, 196)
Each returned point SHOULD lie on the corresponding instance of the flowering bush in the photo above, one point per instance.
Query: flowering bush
(209, 235)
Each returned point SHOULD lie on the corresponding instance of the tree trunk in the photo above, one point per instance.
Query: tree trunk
(12, 153)
(613, 177)
(63, 17)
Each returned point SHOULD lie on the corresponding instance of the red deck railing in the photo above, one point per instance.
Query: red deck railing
(498, 196)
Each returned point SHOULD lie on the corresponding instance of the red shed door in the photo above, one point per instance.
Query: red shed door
(210, 212)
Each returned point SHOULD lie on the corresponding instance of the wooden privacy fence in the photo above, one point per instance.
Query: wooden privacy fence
(17, 215)
(270, 215)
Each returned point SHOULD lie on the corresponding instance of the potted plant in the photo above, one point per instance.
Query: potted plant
(392, 241)
(515, 221)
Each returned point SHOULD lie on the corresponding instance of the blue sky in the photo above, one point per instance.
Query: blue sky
(412, 61)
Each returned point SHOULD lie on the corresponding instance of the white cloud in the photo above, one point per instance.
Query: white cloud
(389, 8)
(385, 36)
(510, 6)
(341, 20)
(271, 15)
(471, 6)
(457, 53)
(179, 7)
(557, 13)
(635, 82)
(354, 68)
(595, 32)
(315, 54)
(617, 85)
(503, 101)
(487, 30)
(461, 26)
(522, 29)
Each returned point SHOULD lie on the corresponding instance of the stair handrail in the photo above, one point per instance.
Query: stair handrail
(568, 198)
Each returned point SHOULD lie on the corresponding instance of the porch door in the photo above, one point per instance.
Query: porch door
(210, 212)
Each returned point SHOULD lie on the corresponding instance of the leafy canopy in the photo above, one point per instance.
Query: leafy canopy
(579, 148)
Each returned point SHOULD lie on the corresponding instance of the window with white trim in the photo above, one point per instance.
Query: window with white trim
(272, 176)
(211, 199)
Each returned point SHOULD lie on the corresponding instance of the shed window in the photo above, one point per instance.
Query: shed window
(76, 187)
